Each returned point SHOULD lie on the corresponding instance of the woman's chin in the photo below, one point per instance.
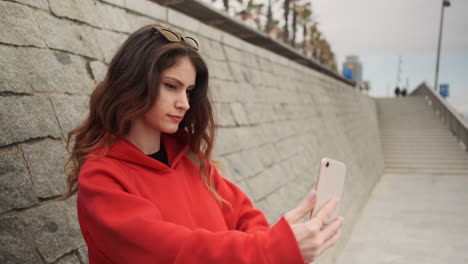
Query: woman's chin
(170, 130)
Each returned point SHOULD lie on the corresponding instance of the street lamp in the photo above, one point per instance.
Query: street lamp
(445, 3)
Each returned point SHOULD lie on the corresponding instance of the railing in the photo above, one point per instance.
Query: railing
(446, 113)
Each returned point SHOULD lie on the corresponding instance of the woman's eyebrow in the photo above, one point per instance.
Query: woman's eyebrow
(178, 81)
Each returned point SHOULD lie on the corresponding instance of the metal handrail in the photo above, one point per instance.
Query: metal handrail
(446, 113)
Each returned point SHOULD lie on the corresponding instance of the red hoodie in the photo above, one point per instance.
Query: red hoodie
(134, 209)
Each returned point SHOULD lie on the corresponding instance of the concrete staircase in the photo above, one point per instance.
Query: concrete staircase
(415, 140)
(418, 211)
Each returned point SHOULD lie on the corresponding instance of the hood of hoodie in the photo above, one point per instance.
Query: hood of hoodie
(124, 150)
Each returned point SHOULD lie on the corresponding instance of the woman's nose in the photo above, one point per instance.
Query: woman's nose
(183, 102)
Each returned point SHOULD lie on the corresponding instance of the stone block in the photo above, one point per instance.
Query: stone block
(68, 36)
(244, 164)
(259, 113)
(223, 91)
(182, 21)
(267, 210)
(113, 18)
(83, 254)
(304, 165)
(16, 190)
(226, 171)
(70, 110)
(14, 248)
(147, 8)
(247, 74)
(211, 49)
(236, 162)
(135, 22)
(36, 70)
(218, 69)
(99, 14)
(109, 42)
(267, 155)
(70, 259)
(42, 4)
(266, 182)
(233, 54)
(26, 117)
(239, 113)
(17, 25)
(120, 3)
(237, 72)
(54, 228)
(83, 10)
(46, 160)
(249, 137)
(232, 41)
(252, 161)
(250, 60)
(235, 139)
(223, 115)
(232, 92)
(99, 70)
(210, 32)
(226, 141)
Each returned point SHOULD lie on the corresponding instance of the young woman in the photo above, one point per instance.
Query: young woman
(148, 191)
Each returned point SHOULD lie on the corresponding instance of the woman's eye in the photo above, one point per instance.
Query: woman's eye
(170, 86)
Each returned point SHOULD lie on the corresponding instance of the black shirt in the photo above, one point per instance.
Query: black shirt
(161, 155)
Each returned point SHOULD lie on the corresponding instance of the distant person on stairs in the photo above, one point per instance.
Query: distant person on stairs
(397, 91)
(403, 92)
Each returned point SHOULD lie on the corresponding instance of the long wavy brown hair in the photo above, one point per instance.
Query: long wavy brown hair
(128, 92)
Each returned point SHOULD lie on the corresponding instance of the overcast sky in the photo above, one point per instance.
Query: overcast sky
(381, 30)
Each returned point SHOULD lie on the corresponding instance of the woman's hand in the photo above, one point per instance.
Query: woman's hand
(313, 237)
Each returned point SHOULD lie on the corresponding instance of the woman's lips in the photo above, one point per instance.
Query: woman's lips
(176, 118)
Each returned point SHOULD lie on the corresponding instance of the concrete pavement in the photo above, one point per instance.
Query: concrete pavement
(412, 218)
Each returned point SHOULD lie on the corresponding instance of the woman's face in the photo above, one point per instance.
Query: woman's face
(173, 100)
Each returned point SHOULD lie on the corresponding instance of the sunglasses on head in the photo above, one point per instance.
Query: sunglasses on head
(174, 36)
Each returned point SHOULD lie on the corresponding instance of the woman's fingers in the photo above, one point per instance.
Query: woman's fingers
(330, 230)
(323, 214)
(330, 242)
(303, 209)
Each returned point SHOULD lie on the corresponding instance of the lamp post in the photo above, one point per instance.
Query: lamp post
(445, 3)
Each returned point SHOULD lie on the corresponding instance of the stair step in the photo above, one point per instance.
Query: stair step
(427, 171)
(426, 166)
(427, 161)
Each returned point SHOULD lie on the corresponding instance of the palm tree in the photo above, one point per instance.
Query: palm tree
(314, 37)
(305, 17)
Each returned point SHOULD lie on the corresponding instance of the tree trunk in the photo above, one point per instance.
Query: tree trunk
(269, 22)
(304, 37)
(286, 15)
(294, 26)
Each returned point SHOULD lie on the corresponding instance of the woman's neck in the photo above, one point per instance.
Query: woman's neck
(146, 139)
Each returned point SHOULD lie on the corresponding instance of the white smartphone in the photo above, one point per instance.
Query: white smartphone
(330, 183)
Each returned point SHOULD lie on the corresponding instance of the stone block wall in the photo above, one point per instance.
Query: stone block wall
(276, 118)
